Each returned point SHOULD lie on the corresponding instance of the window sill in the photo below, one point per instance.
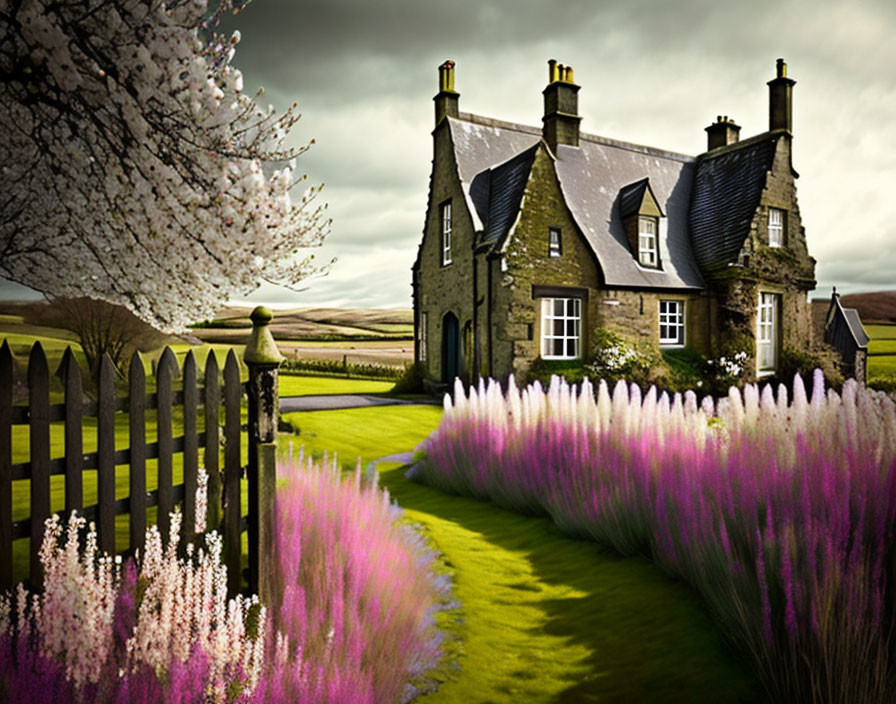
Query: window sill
(560, 359)
(672, 345)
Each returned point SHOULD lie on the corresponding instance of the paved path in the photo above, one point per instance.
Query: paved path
(336, 401)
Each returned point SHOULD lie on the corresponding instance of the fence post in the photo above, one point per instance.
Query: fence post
(263, 359)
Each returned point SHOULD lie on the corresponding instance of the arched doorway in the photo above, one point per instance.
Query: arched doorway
(450, 348)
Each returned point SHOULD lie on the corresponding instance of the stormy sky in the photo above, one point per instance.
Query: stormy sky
(652, 72)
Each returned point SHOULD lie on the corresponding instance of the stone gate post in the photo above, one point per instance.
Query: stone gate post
(263, 359)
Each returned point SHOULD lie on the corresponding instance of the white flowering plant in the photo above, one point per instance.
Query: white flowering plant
(726, 371)
(133, 167)
(617, 358)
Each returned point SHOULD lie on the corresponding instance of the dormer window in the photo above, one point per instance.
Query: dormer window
(641, 214)
(554, 247)
(647, 241)
(775, 227)
(446, 233)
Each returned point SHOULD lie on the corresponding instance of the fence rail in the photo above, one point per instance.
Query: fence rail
(219, 394)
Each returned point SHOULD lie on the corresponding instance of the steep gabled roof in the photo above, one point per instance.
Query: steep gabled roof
(591, 177)
(496, 194)
(855, 326)
(480, 145)
(844, 330)
(727, 186)
(631, 197)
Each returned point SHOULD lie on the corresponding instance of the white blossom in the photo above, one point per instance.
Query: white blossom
(135, 170)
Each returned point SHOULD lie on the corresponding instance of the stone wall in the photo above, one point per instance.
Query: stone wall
(526, 265)
(788, 271)
(444, 289)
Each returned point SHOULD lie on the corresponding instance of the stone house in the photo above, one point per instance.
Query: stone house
(537, 237)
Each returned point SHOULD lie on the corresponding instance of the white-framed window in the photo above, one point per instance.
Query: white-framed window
(561, 328)
(647, 241)
(446, 233)
(672, 323)
(767, 332)
(421, 338)
(554, 246)
(775, 227)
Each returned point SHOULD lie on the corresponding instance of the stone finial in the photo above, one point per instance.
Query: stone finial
(261, 348)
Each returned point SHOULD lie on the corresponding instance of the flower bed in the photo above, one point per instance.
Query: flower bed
(352, 620)
(780, 512)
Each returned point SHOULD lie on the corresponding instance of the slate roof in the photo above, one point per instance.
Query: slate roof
(591, 178)
(496, 194)
(632, 196)
(856, 327)
(727, 187)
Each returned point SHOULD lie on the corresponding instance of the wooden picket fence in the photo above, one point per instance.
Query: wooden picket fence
(209, 397)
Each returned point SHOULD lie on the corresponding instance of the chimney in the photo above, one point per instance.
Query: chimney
(721, 133)
(561, 107)
(780, 100)
(446, 98)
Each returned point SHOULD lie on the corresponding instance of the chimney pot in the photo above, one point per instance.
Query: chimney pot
(780, 100)
(561, 107)
(722, 133)
(446, 99)
(782, 68)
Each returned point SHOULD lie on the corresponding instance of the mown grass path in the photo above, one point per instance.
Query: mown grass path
(543, 618)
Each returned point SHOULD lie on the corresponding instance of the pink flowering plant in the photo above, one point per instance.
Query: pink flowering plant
(779, 509)
(353, 623)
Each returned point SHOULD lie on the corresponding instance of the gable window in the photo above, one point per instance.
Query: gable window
(554, 247)
(775, 227)
(647, 241)
(421, 338)
(672, 323)
(561, 328)
(446, 233)
(767, 332)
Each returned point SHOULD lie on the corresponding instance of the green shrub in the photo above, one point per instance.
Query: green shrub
(341, 368)
(411, 380)
(796, 361)
(573, 370)
(683, 370)
(883, 382)
(617, 358)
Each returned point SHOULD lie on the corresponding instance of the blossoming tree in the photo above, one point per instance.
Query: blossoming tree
(134, 169)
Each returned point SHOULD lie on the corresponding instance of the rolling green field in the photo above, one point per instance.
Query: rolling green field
(881, 350)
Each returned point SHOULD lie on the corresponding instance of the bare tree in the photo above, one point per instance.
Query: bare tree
(101, 328)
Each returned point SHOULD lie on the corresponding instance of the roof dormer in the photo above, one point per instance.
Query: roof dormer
(641, 213)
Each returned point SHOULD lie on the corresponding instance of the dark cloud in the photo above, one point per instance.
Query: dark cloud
(652, 71)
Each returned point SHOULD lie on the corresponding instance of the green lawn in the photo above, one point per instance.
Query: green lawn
(887, 347)
(881, 332)
(881, 365)
(543, 618)
(21, 489)
(322, 385)
(881, 350)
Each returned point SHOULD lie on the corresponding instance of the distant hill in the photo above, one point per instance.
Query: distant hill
(313, 324)
(877, 307)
